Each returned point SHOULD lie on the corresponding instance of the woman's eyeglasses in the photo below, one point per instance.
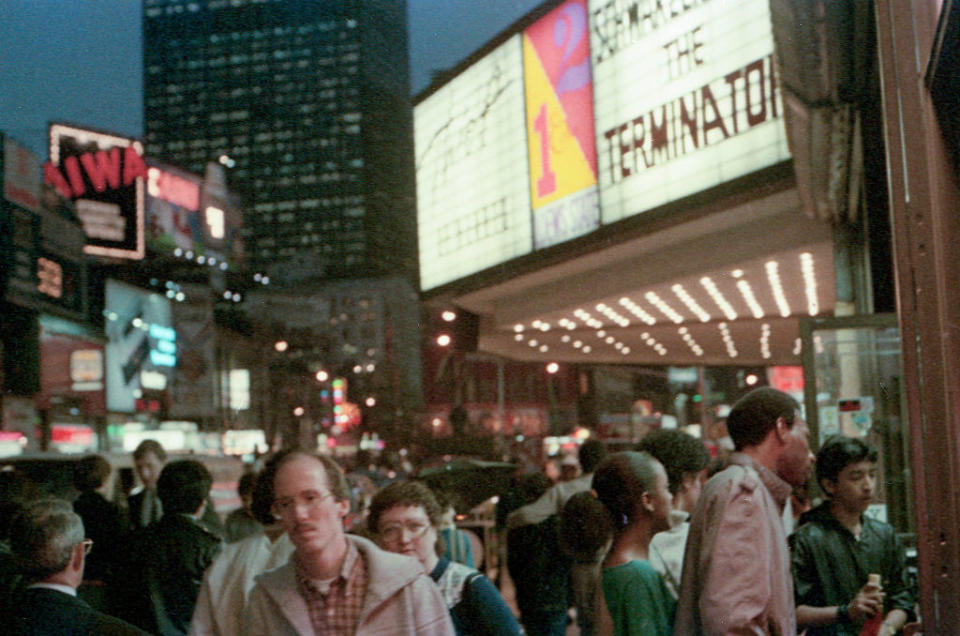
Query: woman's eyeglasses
(394, 531)
(87, 546)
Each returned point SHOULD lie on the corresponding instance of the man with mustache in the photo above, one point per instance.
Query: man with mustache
(336, 583)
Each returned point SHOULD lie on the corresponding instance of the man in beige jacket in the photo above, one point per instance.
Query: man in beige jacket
(336, 583)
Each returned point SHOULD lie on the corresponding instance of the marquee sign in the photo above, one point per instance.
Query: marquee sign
(687, 98)
(471, 156)
(105, 175)
(559, 108)
(598, 111)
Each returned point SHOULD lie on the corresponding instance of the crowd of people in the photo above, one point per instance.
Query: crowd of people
(663, 539)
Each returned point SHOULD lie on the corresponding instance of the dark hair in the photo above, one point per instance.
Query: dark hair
(591, 453)
(16, 489)
(755, 414)
(90, 473)
(336, 481)
(43, 536)
(531, 486)
(620, 480)
(404, 493)
(150, 446)
(679, 452)
(838, 452)
(246, 483)
(183, 485)
(585, 527)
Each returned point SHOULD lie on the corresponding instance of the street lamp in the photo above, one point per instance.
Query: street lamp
(322, 376)
(281, 345)
(443, 340)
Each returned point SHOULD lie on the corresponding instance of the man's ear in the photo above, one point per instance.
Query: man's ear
(77, 558)
(782, 429)
(828, 486)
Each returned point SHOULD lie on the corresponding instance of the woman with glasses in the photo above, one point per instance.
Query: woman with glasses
(405, 518)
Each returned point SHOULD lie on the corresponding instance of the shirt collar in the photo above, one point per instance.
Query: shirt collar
(59, 587)
(348, 562)
(777, 487)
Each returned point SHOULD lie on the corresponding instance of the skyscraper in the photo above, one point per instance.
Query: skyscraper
(307, 100)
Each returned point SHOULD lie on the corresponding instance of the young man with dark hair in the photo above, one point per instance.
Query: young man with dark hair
(170, 556)
(148, 459)
(837, 546)
(736, 566)
(685, 459)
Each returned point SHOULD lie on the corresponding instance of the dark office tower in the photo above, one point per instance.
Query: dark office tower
(310, 99)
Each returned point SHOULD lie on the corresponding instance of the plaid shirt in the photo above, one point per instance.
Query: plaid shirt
(338, 611)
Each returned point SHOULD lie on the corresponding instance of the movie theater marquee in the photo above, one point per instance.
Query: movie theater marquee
(471, 158)
(686, 98)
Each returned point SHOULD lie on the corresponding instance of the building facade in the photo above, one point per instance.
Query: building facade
(307, 100)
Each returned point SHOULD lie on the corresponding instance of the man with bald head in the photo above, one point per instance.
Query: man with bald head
(336, 583)
(48, 544)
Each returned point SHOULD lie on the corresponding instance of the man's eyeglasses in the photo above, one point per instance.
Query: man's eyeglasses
(394, 531)
(87, 546)
(310, 499)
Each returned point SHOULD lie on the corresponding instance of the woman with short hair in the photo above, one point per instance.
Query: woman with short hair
(405, 518)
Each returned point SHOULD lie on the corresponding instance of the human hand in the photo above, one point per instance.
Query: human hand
(886, 629)
(867, 602)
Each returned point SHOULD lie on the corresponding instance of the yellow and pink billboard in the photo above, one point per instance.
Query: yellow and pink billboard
(561, 147)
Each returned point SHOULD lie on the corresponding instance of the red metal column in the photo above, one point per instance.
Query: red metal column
(924, 202)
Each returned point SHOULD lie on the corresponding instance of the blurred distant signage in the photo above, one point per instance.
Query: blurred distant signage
(604, 109)
(687, 98)
(21, 175)
(788, 379)
(140, 338)
(562, 154)
(71, 371)
(106, 176)
(193, 214)
(473, 206)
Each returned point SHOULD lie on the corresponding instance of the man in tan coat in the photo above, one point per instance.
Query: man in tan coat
(336, 583)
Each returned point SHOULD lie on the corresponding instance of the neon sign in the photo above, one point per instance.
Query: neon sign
(105, 175)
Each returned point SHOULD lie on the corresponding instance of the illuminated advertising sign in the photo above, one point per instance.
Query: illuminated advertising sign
(140, 338)
(192, 214)
(560, 133)
(105, 175)
(71, 370)
(21, 175)
(686, 98)
(192, 390)
(471, 162)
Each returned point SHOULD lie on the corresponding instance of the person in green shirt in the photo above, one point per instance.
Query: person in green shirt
(632, 486)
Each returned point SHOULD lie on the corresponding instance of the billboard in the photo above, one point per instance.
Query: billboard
(141, 344)
(186, 213)
(472, 180)
(192, 388)
(605, 109)
(21, 175)
(561, 151)
(105, 176)
(686, 99)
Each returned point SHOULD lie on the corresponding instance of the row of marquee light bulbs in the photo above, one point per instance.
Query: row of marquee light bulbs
(616, 318)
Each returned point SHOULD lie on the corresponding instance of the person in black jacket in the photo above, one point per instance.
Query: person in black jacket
(170, 556)
(837, 547)
(47, 543)
(105, 523)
